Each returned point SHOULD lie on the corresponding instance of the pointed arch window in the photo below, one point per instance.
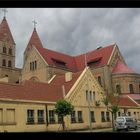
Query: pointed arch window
(9, 63)
(3, 62)
(131, 89)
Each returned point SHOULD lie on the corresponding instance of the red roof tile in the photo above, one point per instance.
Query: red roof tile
(133, 96)
(34, 40)
(120, 67)
(102, 53)
(77, 63)
(5, 32)
(124, 101)
(50, 56)
(37, 91)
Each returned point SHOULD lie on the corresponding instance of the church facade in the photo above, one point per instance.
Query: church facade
(28, 95)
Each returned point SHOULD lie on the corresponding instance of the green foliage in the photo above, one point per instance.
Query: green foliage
(114, 109)
(63, 108)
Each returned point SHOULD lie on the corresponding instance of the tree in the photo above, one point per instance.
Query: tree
(63, 108)
(111, 101)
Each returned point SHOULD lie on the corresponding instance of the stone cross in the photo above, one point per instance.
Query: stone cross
(4, 11)
(34, 22)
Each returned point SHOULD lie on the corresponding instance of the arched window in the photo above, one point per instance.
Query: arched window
(118, 89)
(100, 80)
(131, 88)
(9, 63)
(10, 51)
(4, 49)
(3, 62)
(35, 65)
(91, 98)
(87, 95)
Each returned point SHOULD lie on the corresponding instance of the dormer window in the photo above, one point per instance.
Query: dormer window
(94, 62)
(59, 63)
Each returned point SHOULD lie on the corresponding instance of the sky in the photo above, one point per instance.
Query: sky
(75, 31)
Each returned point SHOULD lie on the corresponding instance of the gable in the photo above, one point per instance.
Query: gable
(86, 82)
(32, 56)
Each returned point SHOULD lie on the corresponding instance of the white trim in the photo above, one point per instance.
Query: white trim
(111, 54)
(29, 101)
(133, 100)
(51, 79)
(40, 55)
(77, 82)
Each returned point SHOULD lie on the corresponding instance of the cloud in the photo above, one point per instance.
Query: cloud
(78, 30)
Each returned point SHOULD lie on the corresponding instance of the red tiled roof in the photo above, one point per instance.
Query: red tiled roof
(37, 91)
(133, 96)
(5, 32)
(120, 67)
(102, 53)
(49, 56)
(34, 40)
(77, 63)
(124, 101)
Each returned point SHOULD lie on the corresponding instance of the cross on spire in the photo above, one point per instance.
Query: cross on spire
(4, 11)
(34, 22)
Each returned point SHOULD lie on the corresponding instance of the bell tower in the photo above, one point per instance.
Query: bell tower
(7, 52)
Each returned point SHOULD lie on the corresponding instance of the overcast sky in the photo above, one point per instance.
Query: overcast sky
(77, 30)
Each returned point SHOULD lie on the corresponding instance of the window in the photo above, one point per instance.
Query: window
(129, 113)
(87, 95)
(118, 89)
(9, 63)
(100, 80)
(3, 62)
(131, 88)
(92, 116)
(103, 116)
(119, 114)
(80, 117)
(93, 96)
(30, 66)
(94, 62)
(10, 51)
(40, 116)
(139, 88)
(107, 116)
(59, 119)
(73, 117)
(1, 116)
(90, 93)
(30, 116)
(33, 65)
(10, 116)
(4, 49)
(51, 117)
(59, 63)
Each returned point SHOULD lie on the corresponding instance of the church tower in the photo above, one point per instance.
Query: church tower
(7, 54)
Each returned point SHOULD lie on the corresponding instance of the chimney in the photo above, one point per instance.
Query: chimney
(63, 90)
(68, 76)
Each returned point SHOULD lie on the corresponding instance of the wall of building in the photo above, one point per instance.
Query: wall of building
(124, 80)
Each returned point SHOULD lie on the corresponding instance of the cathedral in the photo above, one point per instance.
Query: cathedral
(28, 95)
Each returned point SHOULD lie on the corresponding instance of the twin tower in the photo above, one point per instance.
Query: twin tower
(8, 71)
